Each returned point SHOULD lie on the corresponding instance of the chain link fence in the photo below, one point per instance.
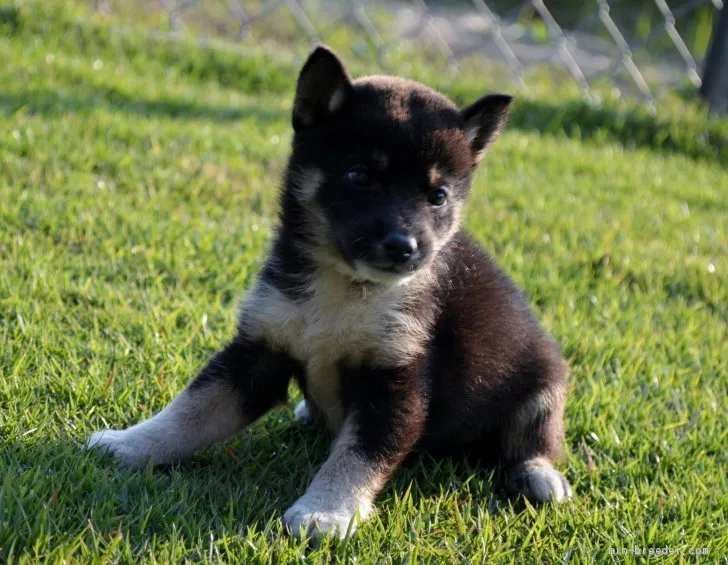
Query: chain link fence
(640, 48)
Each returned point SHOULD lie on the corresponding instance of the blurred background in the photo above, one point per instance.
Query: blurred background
(644, 49)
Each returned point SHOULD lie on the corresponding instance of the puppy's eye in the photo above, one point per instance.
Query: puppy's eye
(437, 197)
(359, 174)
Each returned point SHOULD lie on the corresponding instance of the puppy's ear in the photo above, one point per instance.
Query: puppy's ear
(484, 120)
(323, 87)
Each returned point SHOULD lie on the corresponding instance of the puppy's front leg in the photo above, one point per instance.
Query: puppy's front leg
(239, 384)
(385, 418)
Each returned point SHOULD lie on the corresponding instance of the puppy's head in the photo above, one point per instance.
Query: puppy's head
(382, 166)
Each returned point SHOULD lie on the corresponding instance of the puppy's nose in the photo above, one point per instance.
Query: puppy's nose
(399, 247)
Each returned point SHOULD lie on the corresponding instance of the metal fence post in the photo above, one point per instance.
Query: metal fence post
(715, 76)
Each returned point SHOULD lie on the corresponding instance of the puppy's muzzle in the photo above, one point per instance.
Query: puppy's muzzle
(398, 252)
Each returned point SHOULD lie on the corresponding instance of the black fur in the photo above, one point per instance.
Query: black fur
(487, 356)
(258, 374)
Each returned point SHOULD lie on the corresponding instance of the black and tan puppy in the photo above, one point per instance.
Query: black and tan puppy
(400, 330)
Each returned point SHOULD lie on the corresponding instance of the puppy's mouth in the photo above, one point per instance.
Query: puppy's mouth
(381, 264)
(386, 272)
(400, 268)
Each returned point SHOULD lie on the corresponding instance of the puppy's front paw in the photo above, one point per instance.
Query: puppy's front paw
(121, 445)
(301, 412)
(308, 520)
(538, 480)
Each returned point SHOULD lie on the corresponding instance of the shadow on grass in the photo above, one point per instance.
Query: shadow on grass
(574, 119)
(57, 103)
(631, 128)
(226, 491)
(282, 463)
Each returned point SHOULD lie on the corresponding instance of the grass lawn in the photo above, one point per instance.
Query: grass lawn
(138, 184)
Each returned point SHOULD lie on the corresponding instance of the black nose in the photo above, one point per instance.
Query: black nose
(399, 247)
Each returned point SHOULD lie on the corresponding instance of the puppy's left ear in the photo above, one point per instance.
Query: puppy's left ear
(322, 89)
(484, 120)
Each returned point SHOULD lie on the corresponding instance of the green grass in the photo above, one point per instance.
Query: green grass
(138, 181)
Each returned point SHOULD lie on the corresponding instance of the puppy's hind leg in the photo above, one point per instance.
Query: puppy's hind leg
(532, 442)
(239, 384)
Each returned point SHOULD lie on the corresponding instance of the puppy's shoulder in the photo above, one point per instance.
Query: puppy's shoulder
(469, 269)
(477, 296)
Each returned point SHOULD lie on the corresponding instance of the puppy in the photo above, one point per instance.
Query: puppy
(401, 332)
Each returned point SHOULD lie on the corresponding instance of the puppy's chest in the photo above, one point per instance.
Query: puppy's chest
(335, 331)
(336, 324)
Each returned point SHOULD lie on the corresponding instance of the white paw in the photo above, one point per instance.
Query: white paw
(301, 412)
(307, 520)
(538, 480)
(121, 445)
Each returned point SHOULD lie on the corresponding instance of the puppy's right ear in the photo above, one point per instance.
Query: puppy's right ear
(484, 120)
(323, 87)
